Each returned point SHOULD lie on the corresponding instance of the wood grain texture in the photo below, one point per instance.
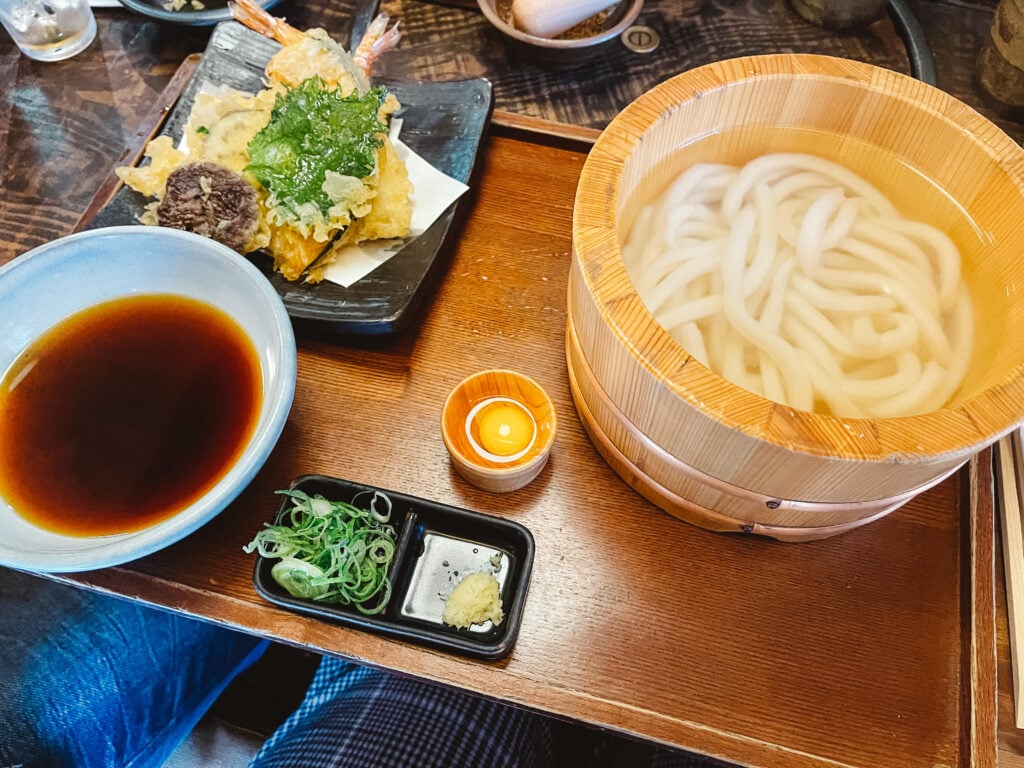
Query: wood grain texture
(634, 621)
(733, 647)
(694, 495)
(979, 729)
(63, 126)
(441, 41)
(1009, 460)
(777, 466)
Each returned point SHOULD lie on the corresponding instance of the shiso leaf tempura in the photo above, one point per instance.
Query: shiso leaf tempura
(313, 154)
(332, 551)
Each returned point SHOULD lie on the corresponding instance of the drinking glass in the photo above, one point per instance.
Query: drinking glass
(49, 30)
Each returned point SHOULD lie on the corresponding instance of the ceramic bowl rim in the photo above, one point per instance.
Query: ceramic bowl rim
(278, 396)
(489, 10)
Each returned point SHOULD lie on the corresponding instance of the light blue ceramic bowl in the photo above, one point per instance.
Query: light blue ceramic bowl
(45, 285)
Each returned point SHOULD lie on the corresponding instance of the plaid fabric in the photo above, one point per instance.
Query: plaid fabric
(358, 717)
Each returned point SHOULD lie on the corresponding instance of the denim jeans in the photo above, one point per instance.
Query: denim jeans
(90, 681)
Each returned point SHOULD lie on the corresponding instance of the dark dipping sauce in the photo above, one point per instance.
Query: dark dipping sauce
(125, 413)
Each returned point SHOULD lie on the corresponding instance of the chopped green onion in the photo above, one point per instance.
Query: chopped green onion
(332, 551)
(297, 576)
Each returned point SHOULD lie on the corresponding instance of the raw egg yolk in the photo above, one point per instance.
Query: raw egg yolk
(505, 429)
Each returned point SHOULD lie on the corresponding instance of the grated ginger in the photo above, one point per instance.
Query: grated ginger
(474, 600)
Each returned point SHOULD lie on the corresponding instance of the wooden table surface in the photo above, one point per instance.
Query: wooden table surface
(855, 650)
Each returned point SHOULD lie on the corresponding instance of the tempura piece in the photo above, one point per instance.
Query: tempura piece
(313, 144)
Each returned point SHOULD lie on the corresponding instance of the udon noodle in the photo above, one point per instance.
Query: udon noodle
(795, 278)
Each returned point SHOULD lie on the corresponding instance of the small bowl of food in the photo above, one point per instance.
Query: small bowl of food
(560, 35)
(498, 427)
(145, 376)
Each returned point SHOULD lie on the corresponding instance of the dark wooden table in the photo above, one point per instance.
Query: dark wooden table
(874, 648)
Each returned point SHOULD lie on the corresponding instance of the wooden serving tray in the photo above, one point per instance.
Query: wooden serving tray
(872, 648)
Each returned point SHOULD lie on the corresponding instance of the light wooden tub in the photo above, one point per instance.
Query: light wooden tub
(713, 453)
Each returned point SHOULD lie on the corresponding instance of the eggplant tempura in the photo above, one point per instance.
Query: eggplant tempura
(299, 168)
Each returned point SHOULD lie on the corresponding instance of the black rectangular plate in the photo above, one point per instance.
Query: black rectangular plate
(437, 545)
(442, 122)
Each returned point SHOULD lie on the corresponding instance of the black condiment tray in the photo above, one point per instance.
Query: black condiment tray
(437, 545)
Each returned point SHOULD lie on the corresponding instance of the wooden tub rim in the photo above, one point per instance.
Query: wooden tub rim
(957, 431)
